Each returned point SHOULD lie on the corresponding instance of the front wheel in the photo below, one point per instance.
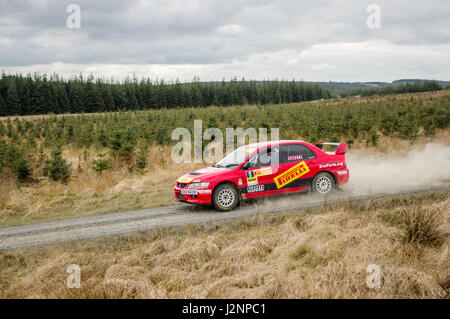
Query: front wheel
(225, 197)
(323, 183)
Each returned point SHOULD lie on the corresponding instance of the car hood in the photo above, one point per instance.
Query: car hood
(202, 174)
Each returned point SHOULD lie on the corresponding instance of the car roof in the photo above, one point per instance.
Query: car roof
(274, 143)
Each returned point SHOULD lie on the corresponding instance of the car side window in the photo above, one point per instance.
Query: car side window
(295, 153)
(265, 157)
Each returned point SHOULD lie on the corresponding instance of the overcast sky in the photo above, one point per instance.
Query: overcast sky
(289, 39)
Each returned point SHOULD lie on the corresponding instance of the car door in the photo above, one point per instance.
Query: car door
(298, 166)
(258, 178)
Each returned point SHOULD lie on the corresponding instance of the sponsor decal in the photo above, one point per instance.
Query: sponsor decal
(291, 174)
(342, 173)
(196, 180)
(252, 176)
(254, 189)
(189, 191)
(263, 171)
(295, 157)
(331, 165)
(204, 191)
(184, 179)
(252, 181)
(240, 181)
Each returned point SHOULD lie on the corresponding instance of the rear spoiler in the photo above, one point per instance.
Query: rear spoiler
(341, 147)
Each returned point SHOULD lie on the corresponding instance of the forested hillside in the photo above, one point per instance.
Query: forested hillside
(126, 136)
(39, 94)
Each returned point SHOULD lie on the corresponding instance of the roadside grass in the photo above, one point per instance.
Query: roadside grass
(420, 225)
(316, 253)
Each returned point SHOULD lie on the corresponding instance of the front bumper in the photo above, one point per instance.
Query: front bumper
(193, 196)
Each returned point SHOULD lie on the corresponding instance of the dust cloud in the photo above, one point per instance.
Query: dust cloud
(375, 173)
(420, 167)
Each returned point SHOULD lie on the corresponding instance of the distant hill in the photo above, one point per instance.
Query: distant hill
(370, 85)
(348, 85)
(412, 81)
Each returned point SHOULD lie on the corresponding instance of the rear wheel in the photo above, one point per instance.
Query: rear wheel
(225, 197)
(323, 183)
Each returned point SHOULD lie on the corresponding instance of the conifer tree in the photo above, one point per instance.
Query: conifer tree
(3, 110)
(12, 99)
(57, 167)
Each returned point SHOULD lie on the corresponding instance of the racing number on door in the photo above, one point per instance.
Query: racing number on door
(257, 179)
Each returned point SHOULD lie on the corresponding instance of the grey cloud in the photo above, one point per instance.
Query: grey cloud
(199, 32)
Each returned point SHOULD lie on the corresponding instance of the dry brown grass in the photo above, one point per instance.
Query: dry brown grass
(89, 193)
(317, 254)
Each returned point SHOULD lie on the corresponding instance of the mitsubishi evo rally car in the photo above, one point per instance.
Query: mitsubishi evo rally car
(262, 169)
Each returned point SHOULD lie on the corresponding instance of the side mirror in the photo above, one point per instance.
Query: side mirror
(246, 165)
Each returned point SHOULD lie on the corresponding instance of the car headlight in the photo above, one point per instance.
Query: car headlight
(198, 185)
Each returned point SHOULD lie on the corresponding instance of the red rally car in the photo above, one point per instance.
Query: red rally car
(262, 169)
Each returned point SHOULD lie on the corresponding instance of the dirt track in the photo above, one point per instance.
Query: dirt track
(176, 215)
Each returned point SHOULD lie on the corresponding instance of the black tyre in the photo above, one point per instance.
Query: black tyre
(323, 183)
(225, 197)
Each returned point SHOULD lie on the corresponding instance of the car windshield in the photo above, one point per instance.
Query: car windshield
(235, 158)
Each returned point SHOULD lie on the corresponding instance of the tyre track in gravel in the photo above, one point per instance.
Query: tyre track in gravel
(175, 215)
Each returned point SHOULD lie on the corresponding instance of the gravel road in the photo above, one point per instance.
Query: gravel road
(175, 215)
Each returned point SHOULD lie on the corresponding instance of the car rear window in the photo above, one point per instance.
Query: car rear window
(295, 152)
